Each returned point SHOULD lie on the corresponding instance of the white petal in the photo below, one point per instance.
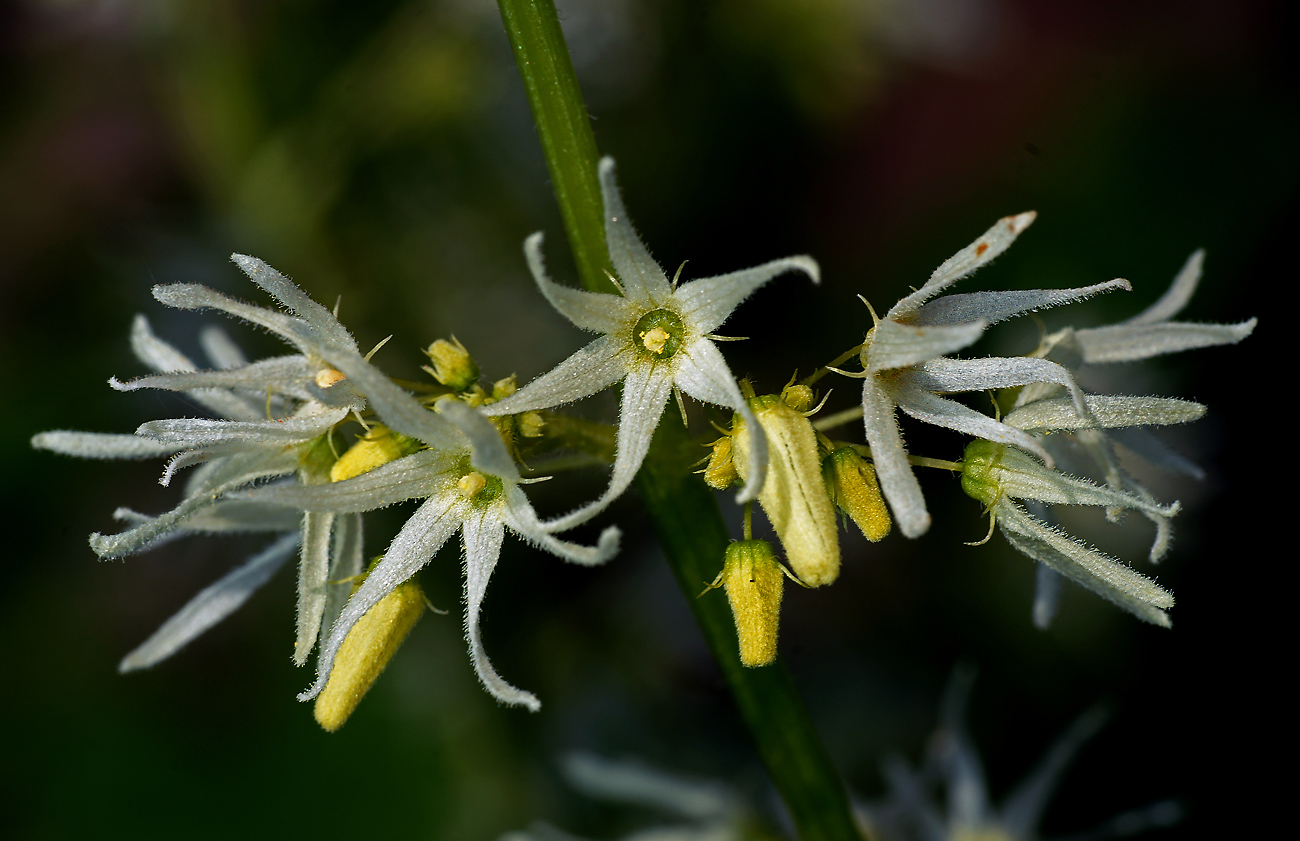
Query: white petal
(313, 572)
(394, 405)
(192, 296)
(1124, 343)
(283, 290)
(1020, 477)
(483, 535)
(968, 797)
(897, 482)
(1047, 596)
(706, 303)
(210, 606)
(1108, 411)
(949, 375)
(1024, 807)
(221, 349)
(347, 560)
(704, 375)
(594, 311)
(154, 352)
(593, 368)
(417, 476)
(642, 278)
(894, 345)
(999, 306)
(1151, 449)
(282, 374)
(1104, 575)
(644, 394)
(230, 516)
(105, 445)
(994, 241)
(522, 520)
(489, 450)
(418, 541)
(146, 534)
(940, 411)
(1177, 295)
(242, 435)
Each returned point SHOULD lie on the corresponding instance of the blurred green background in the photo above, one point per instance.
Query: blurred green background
(382, 154)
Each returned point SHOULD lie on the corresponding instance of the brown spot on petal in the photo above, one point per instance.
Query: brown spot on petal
(981, 248)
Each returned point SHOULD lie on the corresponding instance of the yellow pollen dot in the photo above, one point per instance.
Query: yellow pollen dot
(654, 339)
(471, 483)
(327, 377)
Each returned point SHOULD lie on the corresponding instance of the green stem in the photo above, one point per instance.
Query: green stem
(685, 513)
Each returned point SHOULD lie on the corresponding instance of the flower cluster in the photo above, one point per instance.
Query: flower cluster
(282, 455)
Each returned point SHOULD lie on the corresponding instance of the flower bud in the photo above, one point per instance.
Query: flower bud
(794, 494)
(851, 483)
(365, 652)
(530, 424)
(752, 577)
(452, 364)
(720, 473)
(378, 446)
(504, 387)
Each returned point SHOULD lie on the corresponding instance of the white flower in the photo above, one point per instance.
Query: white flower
(304, 399)
(911, 814)
(655, 337)
(998, 475)
(1091, 448)
(469, 482)
(904, 365)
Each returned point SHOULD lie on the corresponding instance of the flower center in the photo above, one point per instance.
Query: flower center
(658, 334)
(477, 488)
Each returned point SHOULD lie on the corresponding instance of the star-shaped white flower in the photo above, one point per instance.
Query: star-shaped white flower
(655, 337)
(904, 365)
(469, 482)
(268, 410)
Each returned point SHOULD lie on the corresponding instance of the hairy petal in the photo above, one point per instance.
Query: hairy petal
(210, 606)
(483, 534)
(593, 368)
(992, 243)
(948, 375)
(300, 303)
(1107, 411)
(940, 411)
(644, 394)
(523, 521)
(706, 303)
(103, 445)
(594, 311)
(313, 573)
(894, 345)
(1025, 805)
(1178, 294)
(415, 545)
(1104, 575)
(489, 452)
(1126, 343)
(999, 306)
(643, 280)
(888, 455)
(221, 349)
(420, 475)
(192, 296)
(705, 376)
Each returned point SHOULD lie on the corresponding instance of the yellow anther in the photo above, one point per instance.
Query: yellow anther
(327, 377)
(471, 483)
(797, 397)
(851, 482)
(655, 339)
(365, 652)
(503, 388)
(530, 425)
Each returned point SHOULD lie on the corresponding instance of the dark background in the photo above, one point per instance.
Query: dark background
(383, 153)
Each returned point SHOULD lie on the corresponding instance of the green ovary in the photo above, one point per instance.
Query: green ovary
(980, 465)
(658, 334)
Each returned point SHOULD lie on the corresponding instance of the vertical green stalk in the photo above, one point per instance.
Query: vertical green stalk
(686, 516)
